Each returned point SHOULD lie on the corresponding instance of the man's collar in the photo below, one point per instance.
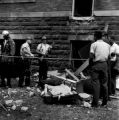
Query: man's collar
(100, 40)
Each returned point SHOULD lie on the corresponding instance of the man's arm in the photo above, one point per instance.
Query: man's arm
(91, 55)
(12, 47)
(38, 49)
(27, 52)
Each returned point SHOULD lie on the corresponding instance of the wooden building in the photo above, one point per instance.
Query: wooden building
(69, 23)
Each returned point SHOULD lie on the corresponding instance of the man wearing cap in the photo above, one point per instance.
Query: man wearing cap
(99, 53)
(26, 54)
(43, 49)
(8, 52)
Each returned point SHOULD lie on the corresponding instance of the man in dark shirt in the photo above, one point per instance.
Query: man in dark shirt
(7, 60)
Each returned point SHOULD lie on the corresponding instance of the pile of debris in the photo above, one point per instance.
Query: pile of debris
(15, 98)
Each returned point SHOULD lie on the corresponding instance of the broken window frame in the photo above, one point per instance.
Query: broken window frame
(81, 17)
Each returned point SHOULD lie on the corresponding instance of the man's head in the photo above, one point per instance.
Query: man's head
(111, 40)
(29, 40)
(98, 35)
(5, 34)
(43, 39)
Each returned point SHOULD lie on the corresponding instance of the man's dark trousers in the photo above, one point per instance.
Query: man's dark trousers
(25, 74)
(43, 69)
(99, 76)
(114, 73)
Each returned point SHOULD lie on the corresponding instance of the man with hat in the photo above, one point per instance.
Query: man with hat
(26, 54)
(7, 60)
(43, 49)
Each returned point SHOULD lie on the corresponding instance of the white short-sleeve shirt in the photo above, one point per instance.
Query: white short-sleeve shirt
(43, 48)
(101, 50)
(27, 51)
(114, 49)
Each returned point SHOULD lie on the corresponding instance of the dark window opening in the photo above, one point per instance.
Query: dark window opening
(82, 8)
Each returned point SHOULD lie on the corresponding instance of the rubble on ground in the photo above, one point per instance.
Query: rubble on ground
(14, 99)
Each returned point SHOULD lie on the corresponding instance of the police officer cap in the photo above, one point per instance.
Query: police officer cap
(5, 32)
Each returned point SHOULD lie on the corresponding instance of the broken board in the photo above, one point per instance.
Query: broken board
(82, 67)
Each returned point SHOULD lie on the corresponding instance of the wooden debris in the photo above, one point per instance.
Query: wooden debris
(63, 78)
(72, 75)
(114, 97)
(82, 67)
(3, 107)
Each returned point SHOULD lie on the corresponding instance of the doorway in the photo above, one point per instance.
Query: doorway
(18, 65)
(18, 44)
(79, 50)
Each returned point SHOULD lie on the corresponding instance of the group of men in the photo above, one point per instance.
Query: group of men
(103, 64)
(8, 58)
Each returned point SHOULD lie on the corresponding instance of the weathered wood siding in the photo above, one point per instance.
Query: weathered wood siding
(106, 5)
(38, 6)
(60, 29)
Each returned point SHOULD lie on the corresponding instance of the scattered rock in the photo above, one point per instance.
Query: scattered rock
(28, 88)
(84, 96)
(109, 109)
(5, 96)
(9, 102)
(86, 104)
(68, 105)
(14, 91)
(8, 115)
(18, 102)
(13, 107)
(88, 111)
(75, 118)
(31, 94)
(24, 108)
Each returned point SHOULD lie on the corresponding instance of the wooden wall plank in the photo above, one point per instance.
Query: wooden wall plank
(16, 1)
(18, 36)
(36, 14)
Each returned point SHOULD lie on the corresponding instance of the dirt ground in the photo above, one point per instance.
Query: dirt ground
(38, 110)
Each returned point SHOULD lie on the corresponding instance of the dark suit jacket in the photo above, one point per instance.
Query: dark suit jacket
(8, 49)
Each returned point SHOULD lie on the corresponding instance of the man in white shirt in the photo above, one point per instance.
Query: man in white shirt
(26, 54)
(43, 49)
(99, 53)
(114, 59)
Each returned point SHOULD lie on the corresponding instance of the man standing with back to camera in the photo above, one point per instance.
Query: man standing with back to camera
(99, 53)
